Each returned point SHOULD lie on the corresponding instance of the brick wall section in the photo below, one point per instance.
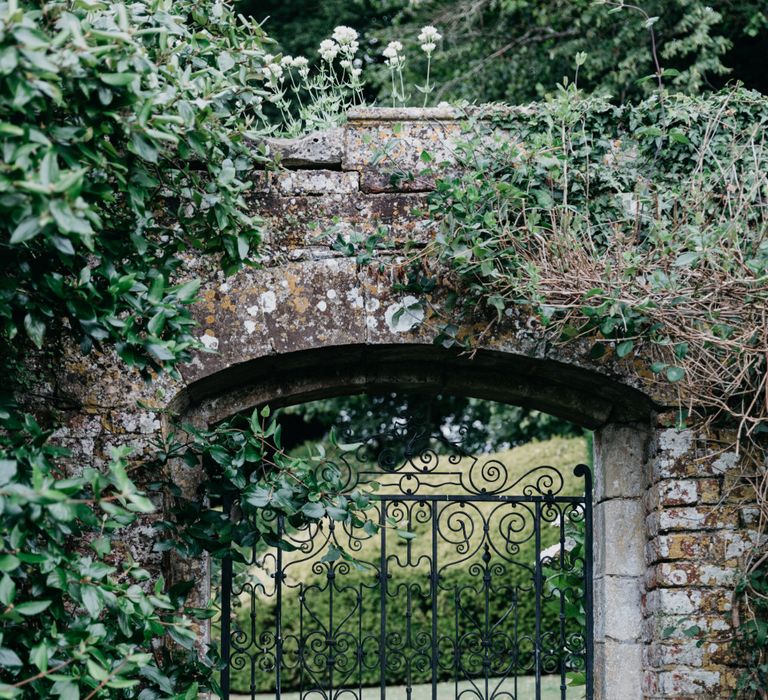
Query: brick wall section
(697, 530)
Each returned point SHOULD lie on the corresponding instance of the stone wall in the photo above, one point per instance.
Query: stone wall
(313, 322)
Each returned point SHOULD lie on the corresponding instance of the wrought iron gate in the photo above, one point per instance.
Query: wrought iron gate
(478, 583)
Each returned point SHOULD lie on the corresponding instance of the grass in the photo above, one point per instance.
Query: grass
(525, 691)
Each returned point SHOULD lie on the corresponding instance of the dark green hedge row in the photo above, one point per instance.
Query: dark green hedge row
(356, 612)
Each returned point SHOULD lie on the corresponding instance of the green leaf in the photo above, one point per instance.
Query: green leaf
(313, 510)
(159, 352)
(26, 230)
(91, 600)
(9, 562)
(96, 670)
(118, 79)
(188, 291)
(33, 607)
(8, 470)
(144, 149)
(333, 554)
(336, 513)
(7, 590)
(35, 329)
(675, 374)
(624, 348)
(9, 658)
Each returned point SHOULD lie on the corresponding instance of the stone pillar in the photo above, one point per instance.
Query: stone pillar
(619, 564)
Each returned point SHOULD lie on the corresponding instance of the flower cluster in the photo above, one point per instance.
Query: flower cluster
(344, 42)
(328, 50)
(428, 39)
(272, 70)
(393, 54)
(346, 38)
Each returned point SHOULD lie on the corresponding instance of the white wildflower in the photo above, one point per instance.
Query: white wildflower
(356, 72)
(268, 58)
(344, 35)
(346, 63)
(273, 72)
(393, 55)
(428, 48)
(286, 61)
(429, 35)
(346, 38)
(301, 64)
(329, 49)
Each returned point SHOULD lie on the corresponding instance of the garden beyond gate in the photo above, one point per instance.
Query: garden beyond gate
(469, 574)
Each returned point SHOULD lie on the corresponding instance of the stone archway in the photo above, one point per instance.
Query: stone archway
(621, 417)
(312, 323)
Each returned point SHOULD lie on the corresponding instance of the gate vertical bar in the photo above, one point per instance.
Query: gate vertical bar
(563, 686)
(433, 585)
(588, 581)
(279, 613)
(383, 601)
(538, 587)
(226, 610)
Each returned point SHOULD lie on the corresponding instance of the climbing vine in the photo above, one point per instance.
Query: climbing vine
(639, 234)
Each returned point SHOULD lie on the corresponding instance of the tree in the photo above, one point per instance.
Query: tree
(518, 50)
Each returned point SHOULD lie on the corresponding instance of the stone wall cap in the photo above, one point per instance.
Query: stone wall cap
(405, 114)
(442, 113)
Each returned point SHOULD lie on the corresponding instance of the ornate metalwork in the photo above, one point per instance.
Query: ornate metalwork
(473, 583)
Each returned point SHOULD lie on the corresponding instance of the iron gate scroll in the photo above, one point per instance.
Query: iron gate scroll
(478, 583)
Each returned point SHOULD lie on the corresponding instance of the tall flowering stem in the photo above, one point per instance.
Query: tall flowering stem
(428, 39)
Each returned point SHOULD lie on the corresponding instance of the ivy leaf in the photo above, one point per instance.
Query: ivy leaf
(9, 658)
(313, 510)
(675, 374)
(333, 554)
(118, 79)
(35, 329)
(623, 349)
(7, 590)
(33, 607)
(8, 469)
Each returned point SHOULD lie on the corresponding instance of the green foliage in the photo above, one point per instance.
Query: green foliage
(752, 632)
(518, 50)
(486, 425)
(81, 622)
(626, 225)
(248, 470)
(122, 130)
(123, 137)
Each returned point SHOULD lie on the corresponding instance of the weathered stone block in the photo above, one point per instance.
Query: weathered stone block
(619, 669)
(691, 518)
(685, 573)
(680, 492)
(619, 550)
(619, 449)
(618, 612)
(315, 182)
(316, 149)
(687, 601)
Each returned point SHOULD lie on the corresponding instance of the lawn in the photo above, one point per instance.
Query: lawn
(446, 691)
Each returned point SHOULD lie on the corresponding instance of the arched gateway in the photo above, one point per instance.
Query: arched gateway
(313, 323)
